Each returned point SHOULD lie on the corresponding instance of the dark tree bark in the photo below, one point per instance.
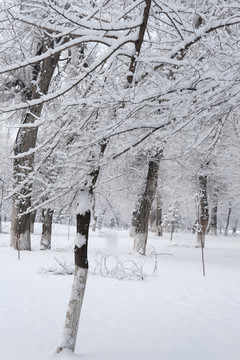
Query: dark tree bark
(213, 218)
(79, 282)
(202, 211)
(47, 218)
(159, 217)
(81, 253)
(32, 220)
(234, 230)
(227, 221)
(81, 260)
(24, 157)
(141, 216)
(94, 216)
(139, 41)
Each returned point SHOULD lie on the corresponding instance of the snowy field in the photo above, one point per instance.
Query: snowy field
(174, 313)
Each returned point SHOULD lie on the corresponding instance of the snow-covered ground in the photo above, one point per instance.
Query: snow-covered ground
(174, 314)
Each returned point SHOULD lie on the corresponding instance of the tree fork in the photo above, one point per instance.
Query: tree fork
(139, 41)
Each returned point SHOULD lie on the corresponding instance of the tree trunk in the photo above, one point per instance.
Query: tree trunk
(234, 230)
(32, 220)
(79, 283)
(139, 41)
(47, 218)
(141, 216)
(81, 259)
(94, 216)
(213, 219)
(220, 227)
(227, 222)
(25, 141)
(152, 220)
(202, 211)
(20, 225)
(171, 230)
(159, 217)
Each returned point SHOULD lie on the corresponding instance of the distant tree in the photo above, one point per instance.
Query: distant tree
(202, 211)
(141, 216)
(172, 219)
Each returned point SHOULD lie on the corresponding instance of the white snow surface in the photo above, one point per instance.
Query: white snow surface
(84, 203)
(177, 314)
(80, 240)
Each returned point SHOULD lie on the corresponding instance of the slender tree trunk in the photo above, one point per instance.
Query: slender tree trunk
(25, 141)
(227, 222)
(32, 220)
(159, 217)
(141, 216)
(234, 230)
(133, 224)
(47, 218)
(79, 283)
(202, 211)
(213, 218)
(220, 227)
(81, 260)
(94, 216)
(139, 41)
(152, 220)
(132, 68)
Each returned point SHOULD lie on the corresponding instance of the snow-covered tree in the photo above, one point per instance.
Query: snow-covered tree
(172, 219)
(134, 74)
